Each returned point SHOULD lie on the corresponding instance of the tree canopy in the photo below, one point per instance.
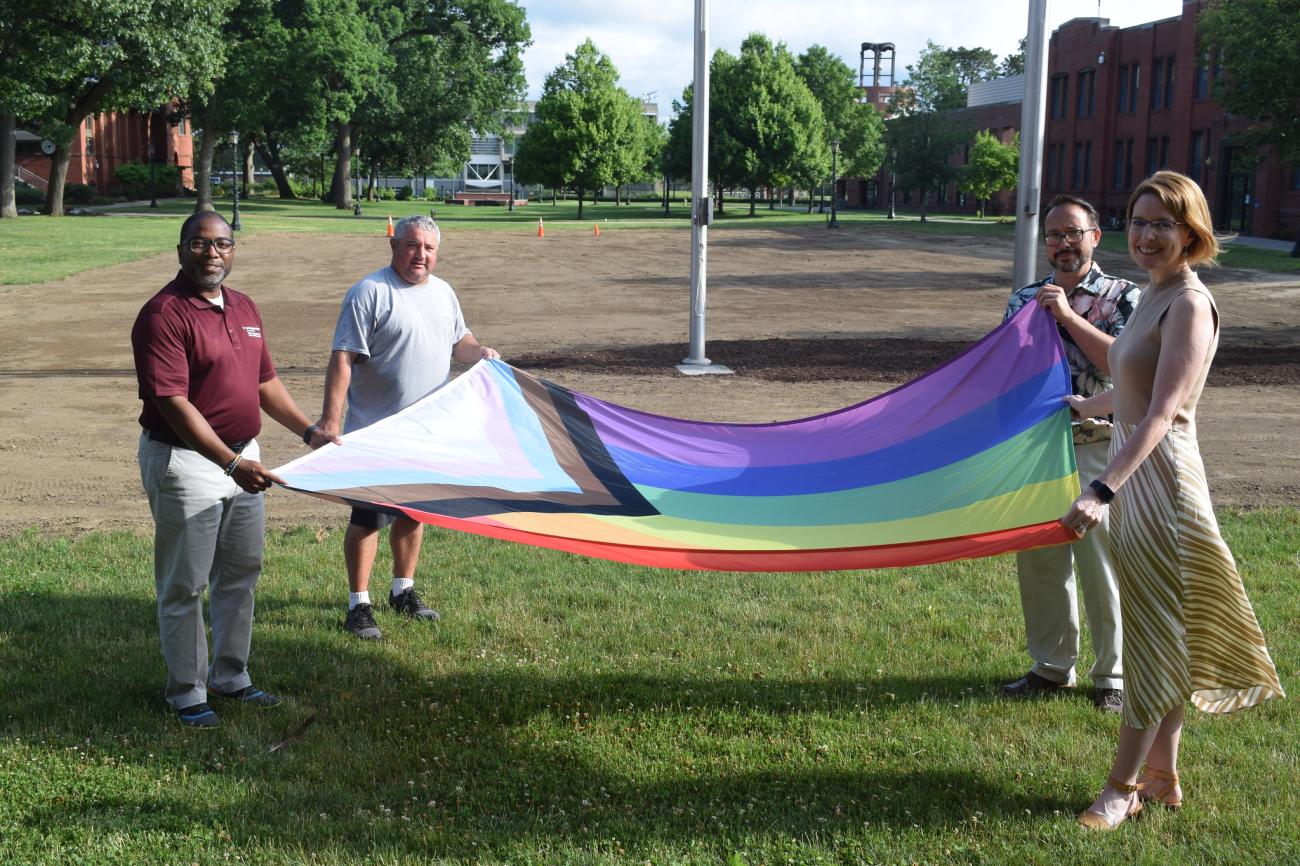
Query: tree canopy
(993, 166)
(589, 131)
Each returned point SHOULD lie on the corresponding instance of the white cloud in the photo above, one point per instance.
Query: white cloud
(651, 42)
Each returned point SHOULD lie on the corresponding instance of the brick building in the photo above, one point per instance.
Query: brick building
(1123, 103)
(108, 141)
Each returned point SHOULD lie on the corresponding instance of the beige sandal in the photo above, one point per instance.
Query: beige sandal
(1097, 821)
(1160, 786)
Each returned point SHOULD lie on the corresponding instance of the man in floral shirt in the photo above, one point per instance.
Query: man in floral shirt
(1090, 309)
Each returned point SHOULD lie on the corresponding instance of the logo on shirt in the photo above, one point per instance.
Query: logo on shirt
(253, 331)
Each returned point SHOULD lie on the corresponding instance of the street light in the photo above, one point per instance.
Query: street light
(835, 152)
(356, 174)
(234, 178)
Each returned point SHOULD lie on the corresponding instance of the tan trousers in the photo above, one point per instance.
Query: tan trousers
(1050, 599)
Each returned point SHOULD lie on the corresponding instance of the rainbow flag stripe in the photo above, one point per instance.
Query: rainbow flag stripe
(972, 459)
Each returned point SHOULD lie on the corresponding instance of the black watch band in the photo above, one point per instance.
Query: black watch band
(306, 434)
(1104, 493)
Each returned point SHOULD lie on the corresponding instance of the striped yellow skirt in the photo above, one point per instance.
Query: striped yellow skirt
(1189, 630)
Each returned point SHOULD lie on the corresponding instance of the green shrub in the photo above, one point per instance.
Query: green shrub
(404, 193)
(79, 193)
(386, 193)
(134, 178)
(26, 195)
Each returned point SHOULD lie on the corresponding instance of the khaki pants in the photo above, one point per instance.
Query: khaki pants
(207, 533)
(1050, 600)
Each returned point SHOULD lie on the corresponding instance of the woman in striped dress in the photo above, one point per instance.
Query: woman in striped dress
(1189, 630)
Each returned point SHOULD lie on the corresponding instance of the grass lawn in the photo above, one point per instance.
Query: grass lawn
(568, 710)
(37, 249)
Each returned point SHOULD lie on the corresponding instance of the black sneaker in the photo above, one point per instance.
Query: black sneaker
(1108, 700)
(1031, 685)
(410, 604)
(198, 716)
(360, 623)
(248, 695)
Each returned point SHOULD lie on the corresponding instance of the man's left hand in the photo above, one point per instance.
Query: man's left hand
(487, 353)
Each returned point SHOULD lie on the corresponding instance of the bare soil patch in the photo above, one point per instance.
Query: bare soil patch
(811, 320)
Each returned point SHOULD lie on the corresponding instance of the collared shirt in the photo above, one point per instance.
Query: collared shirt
(1106, 302)
(214, 356)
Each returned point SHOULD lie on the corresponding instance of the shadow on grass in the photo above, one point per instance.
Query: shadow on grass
(456, 764)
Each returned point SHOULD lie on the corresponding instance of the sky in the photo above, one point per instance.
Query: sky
(651, 41)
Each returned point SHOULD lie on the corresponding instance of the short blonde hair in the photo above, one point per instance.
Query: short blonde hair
(1184, 199)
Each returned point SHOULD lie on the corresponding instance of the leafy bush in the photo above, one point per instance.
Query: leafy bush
(24, 194)
(134, 178)
(79, 193)
(404, 193)
(386, 193)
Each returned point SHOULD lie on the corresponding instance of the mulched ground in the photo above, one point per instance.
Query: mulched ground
(857, 360)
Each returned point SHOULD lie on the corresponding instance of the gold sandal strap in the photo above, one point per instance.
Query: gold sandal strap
(1122, 787)
(1163, 775)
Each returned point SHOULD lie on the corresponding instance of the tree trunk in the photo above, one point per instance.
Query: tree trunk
(8, 164)
(58, 179)
(203, 178)
(1295, 250)
(249, 177)
(753, 199)
(341, 190)
(810, 200)
(269, 148)
(925, 194)
(579, 202)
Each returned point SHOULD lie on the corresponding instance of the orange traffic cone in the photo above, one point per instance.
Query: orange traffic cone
(390, 226)
(541, 229)
(597, 228)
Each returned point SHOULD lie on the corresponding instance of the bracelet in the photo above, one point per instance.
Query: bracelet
(1104, 493)
(233, 464)
(306, 434)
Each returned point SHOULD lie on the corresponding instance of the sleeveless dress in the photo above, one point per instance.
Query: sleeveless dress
(1190, 633)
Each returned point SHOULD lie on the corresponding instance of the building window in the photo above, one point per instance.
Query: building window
(1123, 178)
(1082, 174)
(183, 127)
(1086, 89)
(1122, 101)
(1059, 96)
(1202, 85)
(1196, 165)
(1162, 83)
(1157, 154)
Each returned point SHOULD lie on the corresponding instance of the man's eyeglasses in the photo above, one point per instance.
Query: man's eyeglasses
(1055, 239)
(202, 245)
(1164, 227)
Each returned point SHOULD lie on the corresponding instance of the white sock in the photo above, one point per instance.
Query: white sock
(402, 584)
(356, 598)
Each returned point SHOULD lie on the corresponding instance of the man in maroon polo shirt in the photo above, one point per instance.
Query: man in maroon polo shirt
(205, 377)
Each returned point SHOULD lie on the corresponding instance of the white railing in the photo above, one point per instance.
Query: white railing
(30, 178)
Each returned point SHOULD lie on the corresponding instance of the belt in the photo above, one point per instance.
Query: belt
(167, 437)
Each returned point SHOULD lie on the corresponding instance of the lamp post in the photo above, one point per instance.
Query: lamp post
(835, 152)
(356, 174)
(512, 186)
(234, 178)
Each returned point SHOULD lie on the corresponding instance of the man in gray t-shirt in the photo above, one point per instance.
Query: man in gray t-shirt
(397, 334)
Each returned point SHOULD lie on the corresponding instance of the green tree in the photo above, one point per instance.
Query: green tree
(993, 166)
(854, 124)
(1014, 64)
(923, 133)
(587, 126)
(108, 56)
(1258, 43)
(768, 127)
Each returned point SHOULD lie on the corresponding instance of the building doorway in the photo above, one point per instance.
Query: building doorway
(1237, 192)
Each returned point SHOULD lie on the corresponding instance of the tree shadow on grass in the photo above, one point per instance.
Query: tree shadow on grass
(484, 758)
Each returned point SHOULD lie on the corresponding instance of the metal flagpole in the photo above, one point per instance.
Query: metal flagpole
(701, 208)
(1032, 129)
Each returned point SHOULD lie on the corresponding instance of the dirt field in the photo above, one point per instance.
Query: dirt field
(812, 320)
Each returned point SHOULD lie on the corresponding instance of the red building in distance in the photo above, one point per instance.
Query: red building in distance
(1123, 103)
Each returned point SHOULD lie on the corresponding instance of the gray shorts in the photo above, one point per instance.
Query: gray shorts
(369, 519)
